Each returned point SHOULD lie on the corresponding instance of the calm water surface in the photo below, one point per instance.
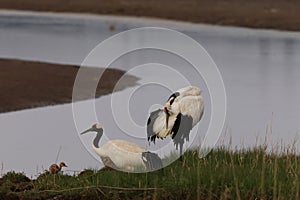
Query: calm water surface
(260, 70)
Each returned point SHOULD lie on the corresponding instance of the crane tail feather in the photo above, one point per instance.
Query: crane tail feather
(152, 161)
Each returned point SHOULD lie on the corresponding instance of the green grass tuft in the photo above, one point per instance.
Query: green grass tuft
(222, 174)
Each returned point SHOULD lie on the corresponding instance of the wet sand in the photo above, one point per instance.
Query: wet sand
(273, 14)
(25, 84)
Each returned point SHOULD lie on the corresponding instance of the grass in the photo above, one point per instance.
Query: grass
(222, 174)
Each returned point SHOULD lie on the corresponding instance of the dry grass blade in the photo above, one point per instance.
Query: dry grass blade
(98, 187)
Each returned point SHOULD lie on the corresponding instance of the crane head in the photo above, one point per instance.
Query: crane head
(62, 164)
(95, 127)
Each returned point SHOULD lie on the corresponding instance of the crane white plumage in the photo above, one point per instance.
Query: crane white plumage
(182, 111)
(124, 155)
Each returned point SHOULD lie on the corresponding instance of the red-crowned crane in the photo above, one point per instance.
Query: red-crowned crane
(182, 111)
(124, 155)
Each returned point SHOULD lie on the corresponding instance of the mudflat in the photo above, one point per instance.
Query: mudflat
(274, 14)
(26, 84)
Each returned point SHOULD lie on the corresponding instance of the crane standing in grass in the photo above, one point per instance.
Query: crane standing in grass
(124, 155)
(182, 111)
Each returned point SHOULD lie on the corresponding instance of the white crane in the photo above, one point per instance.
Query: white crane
(124, 155)
(182, 111)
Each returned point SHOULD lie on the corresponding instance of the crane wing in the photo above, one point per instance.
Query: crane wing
(181, 130)
(156, 125)
(153, 121)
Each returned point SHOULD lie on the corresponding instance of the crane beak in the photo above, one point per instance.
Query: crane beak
(167, 116)
(90, 129)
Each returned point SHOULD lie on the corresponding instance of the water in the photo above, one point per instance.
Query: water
(260, 70)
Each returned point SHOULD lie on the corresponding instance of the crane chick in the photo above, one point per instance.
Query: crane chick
(54, 168)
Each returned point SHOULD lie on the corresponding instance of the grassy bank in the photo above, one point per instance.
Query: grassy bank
(223, 174)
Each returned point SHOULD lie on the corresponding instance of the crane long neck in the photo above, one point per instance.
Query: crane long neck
(98, 137)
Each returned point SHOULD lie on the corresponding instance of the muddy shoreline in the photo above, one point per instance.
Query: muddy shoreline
(27, 84)
(270, 14)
